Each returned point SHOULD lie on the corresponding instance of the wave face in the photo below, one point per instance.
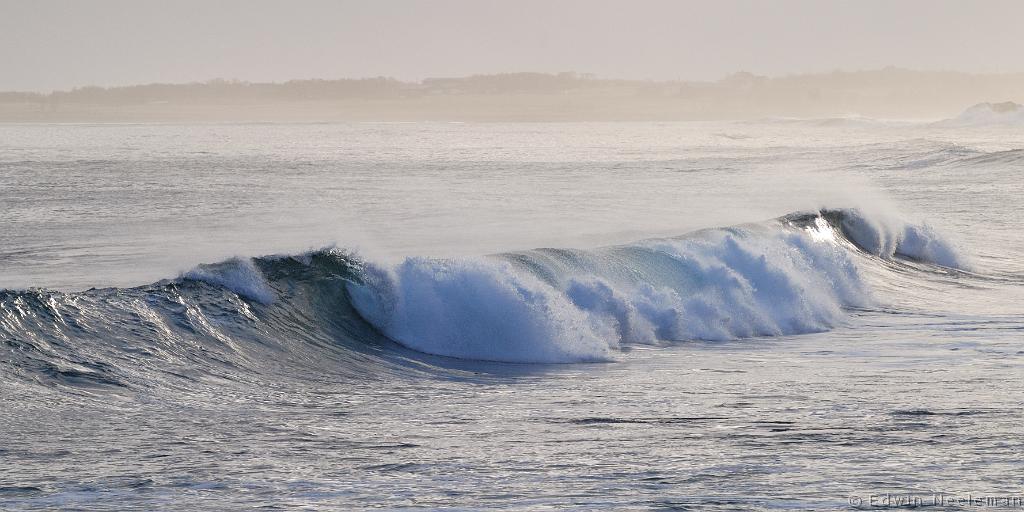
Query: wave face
(332, 309)
(889, 238)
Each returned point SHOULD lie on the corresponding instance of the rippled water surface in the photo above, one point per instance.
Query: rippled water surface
(734, 316)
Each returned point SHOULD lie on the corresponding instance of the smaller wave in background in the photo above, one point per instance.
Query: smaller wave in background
(1004, 114)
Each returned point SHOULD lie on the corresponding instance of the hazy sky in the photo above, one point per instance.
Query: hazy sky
(48, 44)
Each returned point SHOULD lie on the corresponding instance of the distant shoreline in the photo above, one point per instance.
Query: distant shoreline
(524, 97)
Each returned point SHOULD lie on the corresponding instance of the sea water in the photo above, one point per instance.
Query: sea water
(816, 314)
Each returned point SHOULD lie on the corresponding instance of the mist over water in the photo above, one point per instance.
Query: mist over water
(164, 198)
(726, 315)
(494, 255)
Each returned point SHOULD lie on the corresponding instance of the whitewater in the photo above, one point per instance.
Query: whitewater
(768, 314)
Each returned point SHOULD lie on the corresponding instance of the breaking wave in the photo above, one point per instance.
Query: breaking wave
(1006, 113)
(330, 308)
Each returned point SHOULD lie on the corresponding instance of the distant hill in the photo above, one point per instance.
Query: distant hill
(886, 93)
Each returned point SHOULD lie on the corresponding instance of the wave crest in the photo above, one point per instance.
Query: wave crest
(236, 274)
(560, 306)
(889, 237)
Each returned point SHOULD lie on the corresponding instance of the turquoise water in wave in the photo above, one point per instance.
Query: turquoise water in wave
(716, 316)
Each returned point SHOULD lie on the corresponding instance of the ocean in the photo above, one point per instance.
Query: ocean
(775, 314)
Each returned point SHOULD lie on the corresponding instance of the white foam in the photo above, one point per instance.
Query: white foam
(743, 286)
(478, 309)
(989, 114)
(723, 285)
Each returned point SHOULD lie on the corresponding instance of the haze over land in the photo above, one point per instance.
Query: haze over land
(50, 45)
(648, 59)
(888, 93)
